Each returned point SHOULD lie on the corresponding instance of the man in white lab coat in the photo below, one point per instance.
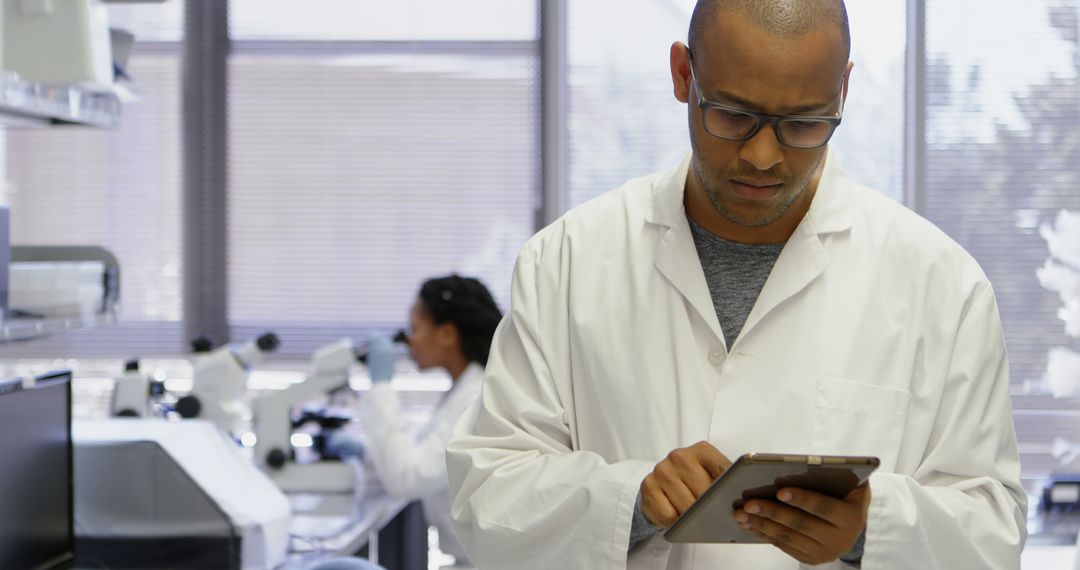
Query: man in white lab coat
(753, 299)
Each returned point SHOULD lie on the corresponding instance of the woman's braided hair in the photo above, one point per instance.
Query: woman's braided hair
(469, 306)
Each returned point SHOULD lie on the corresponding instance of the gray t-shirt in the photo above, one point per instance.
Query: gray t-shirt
(736, 273)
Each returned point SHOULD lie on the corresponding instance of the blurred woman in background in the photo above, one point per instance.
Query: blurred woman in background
(451, 325)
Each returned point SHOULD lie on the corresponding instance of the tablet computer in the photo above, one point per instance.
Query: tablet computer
(711, 518)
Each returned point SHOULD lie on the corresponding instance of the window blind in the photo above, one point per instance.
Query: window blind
(359, 168)
(378, 20)
(162, 22)
(1001, 158)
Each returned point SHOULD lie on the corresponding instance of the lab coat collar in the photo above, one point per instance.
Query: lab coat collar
(830, 212)
(473, 374)
(676, 256)
(803, 260)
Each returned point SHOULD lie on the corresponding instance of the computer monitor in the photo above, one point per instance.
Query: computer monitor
(36, 493)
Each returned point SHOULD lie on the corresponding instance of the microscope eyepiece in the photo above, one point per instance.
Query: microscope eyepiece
(201, 344)
(189, 407)
(268, 342)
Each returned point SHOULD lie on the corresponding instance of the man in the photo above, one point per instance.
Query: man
(753, 299)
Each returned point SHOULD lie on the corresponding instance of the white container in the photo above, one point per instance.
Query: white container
(62, 42)
(58, 290)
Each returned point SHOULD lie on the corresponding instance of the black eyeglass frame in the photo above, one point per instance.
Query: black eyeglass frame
(761, 119)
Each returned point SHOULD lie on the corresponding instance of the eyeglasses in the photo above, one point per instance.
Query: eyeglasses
(736, 124)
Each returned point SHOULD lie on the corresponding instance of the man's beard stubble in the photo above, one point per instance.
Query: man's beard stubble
(711, 187)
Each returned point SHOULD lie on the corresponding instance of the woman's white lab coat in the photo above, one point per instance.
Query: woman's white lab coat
(414, 467)
(875, 334)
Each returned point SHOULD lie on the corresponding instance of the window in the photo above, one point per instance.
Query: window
(1001, 158)
(371, 20)
(623, 121)
(358, 168)
(870, 142)
(163, 22)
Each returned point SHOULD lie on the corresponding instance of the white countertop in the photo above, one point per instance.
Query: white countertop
(1041, 557)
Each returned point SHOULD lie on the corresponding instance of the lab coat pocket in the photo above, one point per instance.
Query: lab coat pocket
(856, 418)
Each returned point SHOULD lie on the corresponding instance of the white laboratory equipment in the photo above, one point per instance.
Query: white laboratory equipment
(219, 382)
(275, 419)
(274, 423)
(154, 494)
(63, 282)
(58, 42)
(133, 392)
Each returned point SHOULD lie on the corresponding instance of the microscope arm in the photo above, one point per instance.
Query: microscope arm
(273, 416)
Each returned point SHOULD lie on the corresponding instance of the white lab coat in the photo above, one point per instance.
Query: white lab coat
(875, 334)
(415, 467)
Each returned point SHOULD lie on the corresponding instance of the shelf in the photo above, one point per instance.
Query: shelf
(23, 329)
(26, 104)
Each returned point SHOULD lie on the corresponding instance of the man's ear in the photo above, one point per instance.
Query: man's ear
(847, 78)
(680, 71)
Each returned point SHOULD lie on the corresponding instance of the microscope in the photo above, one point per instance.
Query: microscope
(275, 418)
(220, 380)
(134, 393)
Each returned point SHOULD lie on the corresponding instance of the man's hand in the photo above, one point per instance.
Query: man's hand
(810, 527)
(678, 480)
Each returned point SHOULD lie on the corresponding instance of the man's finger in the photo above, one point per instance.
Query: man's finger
(859, 495)
(821, 531)
(657, 508)
(711, 459)
(792, 552)
(686, 466)
(834, 511)
(785, 537)
(797, 554)
(675, 489)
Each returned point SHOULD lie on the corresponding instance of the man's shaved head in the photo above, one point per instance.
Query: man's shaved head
(779, 57)
(782, 18)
